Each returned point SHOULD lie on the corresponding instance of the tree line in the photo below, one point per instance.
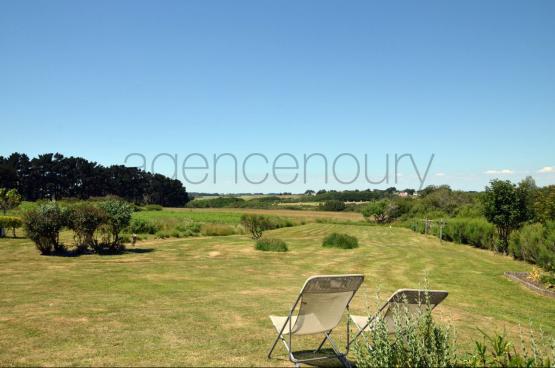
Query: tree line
(54, 176)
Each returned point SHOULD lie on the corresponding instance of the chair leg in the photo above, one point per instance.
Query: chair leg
(321, 344)
(340, 356)
(273, 346)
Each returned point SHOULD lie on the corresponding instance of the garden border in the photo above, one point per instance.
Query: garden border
(521, 277)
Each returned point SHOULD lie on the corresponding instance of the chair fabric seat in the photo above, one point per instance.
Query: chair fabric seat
(360, 322)
(279, 321)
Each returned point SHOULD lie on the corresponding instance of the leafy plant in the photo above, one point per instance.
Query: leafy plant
(414, 341)
(338, 240)
(271, 245)
(333, 205)
(84, 219)
(10, 222)
(118, 216)
(43, 224)
(141, 226)
(498, 351)
(376, 210)
(505, 207)
(255, 224)
(9, 199)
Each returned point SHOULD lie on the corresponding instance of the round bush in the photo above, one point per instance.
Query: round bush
(337, 240)
(271, 245)
(43, 224)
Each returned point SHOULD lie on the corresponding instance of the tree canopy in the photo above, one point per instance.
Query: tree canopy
(54, 176)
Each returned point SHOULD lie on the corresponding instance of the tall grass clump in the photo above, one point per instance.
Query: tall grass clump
(271, 245)
(338, 240)
(217, 230)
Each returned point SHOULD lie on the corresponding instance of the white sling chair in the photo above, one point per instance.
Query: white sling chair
(322, 300)
(414, 300)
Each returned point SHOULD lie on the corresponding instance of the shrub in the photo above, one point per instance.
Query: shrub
(162, 234)
(473, 231)
(271, 245)
(416, 341)
(333, 205)
(10, 222)
(118, 216)
(84, 219)
(189, 229)
(535, 243)
(140, 226)
(255, 224)
(43, 224)
(498, 351)
(337, 240)
(153, 207)
(176, 234)
(477, 232)
(217, 230)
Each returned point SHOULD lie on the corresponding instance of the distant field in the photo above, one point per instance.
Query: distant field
(205, 300)
(309, 215)
(177, 214)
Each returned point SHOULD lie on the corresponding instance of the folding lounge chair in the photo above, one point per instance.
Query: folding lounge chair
(322, 302)
(414, 300)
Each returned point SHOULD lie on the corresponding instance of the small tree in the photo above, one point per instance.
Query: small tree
(544, 204)
(255, 224)
(43, 224)
(505, 207)
(376, 210)
(10, 222)
(9, 199)
(118, 216)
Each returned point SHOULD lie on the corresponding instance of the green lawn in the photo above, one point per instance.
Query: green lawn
(205, 300)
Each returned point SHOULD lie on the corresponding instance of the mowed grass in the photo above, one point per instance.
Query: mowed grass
(205, 301)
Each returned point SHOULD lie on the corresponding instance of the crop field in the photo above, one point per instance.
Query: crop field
(205, 300)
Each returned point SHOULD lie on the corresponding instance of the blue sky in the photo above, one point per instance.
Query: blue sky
(472, 82)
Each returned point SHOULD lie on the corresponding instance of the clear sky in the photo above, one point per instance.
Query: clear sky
(472, 82)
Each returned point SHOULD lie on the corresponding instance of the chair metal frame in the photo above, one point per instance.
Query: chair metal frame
(341, 356)
(390, 301)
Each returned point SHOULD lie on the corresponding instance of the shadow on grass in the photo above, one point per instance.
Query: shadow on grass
(100, 252)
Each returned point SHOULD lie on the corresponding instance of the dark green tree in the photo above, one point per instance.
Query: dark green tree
(505, 207)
